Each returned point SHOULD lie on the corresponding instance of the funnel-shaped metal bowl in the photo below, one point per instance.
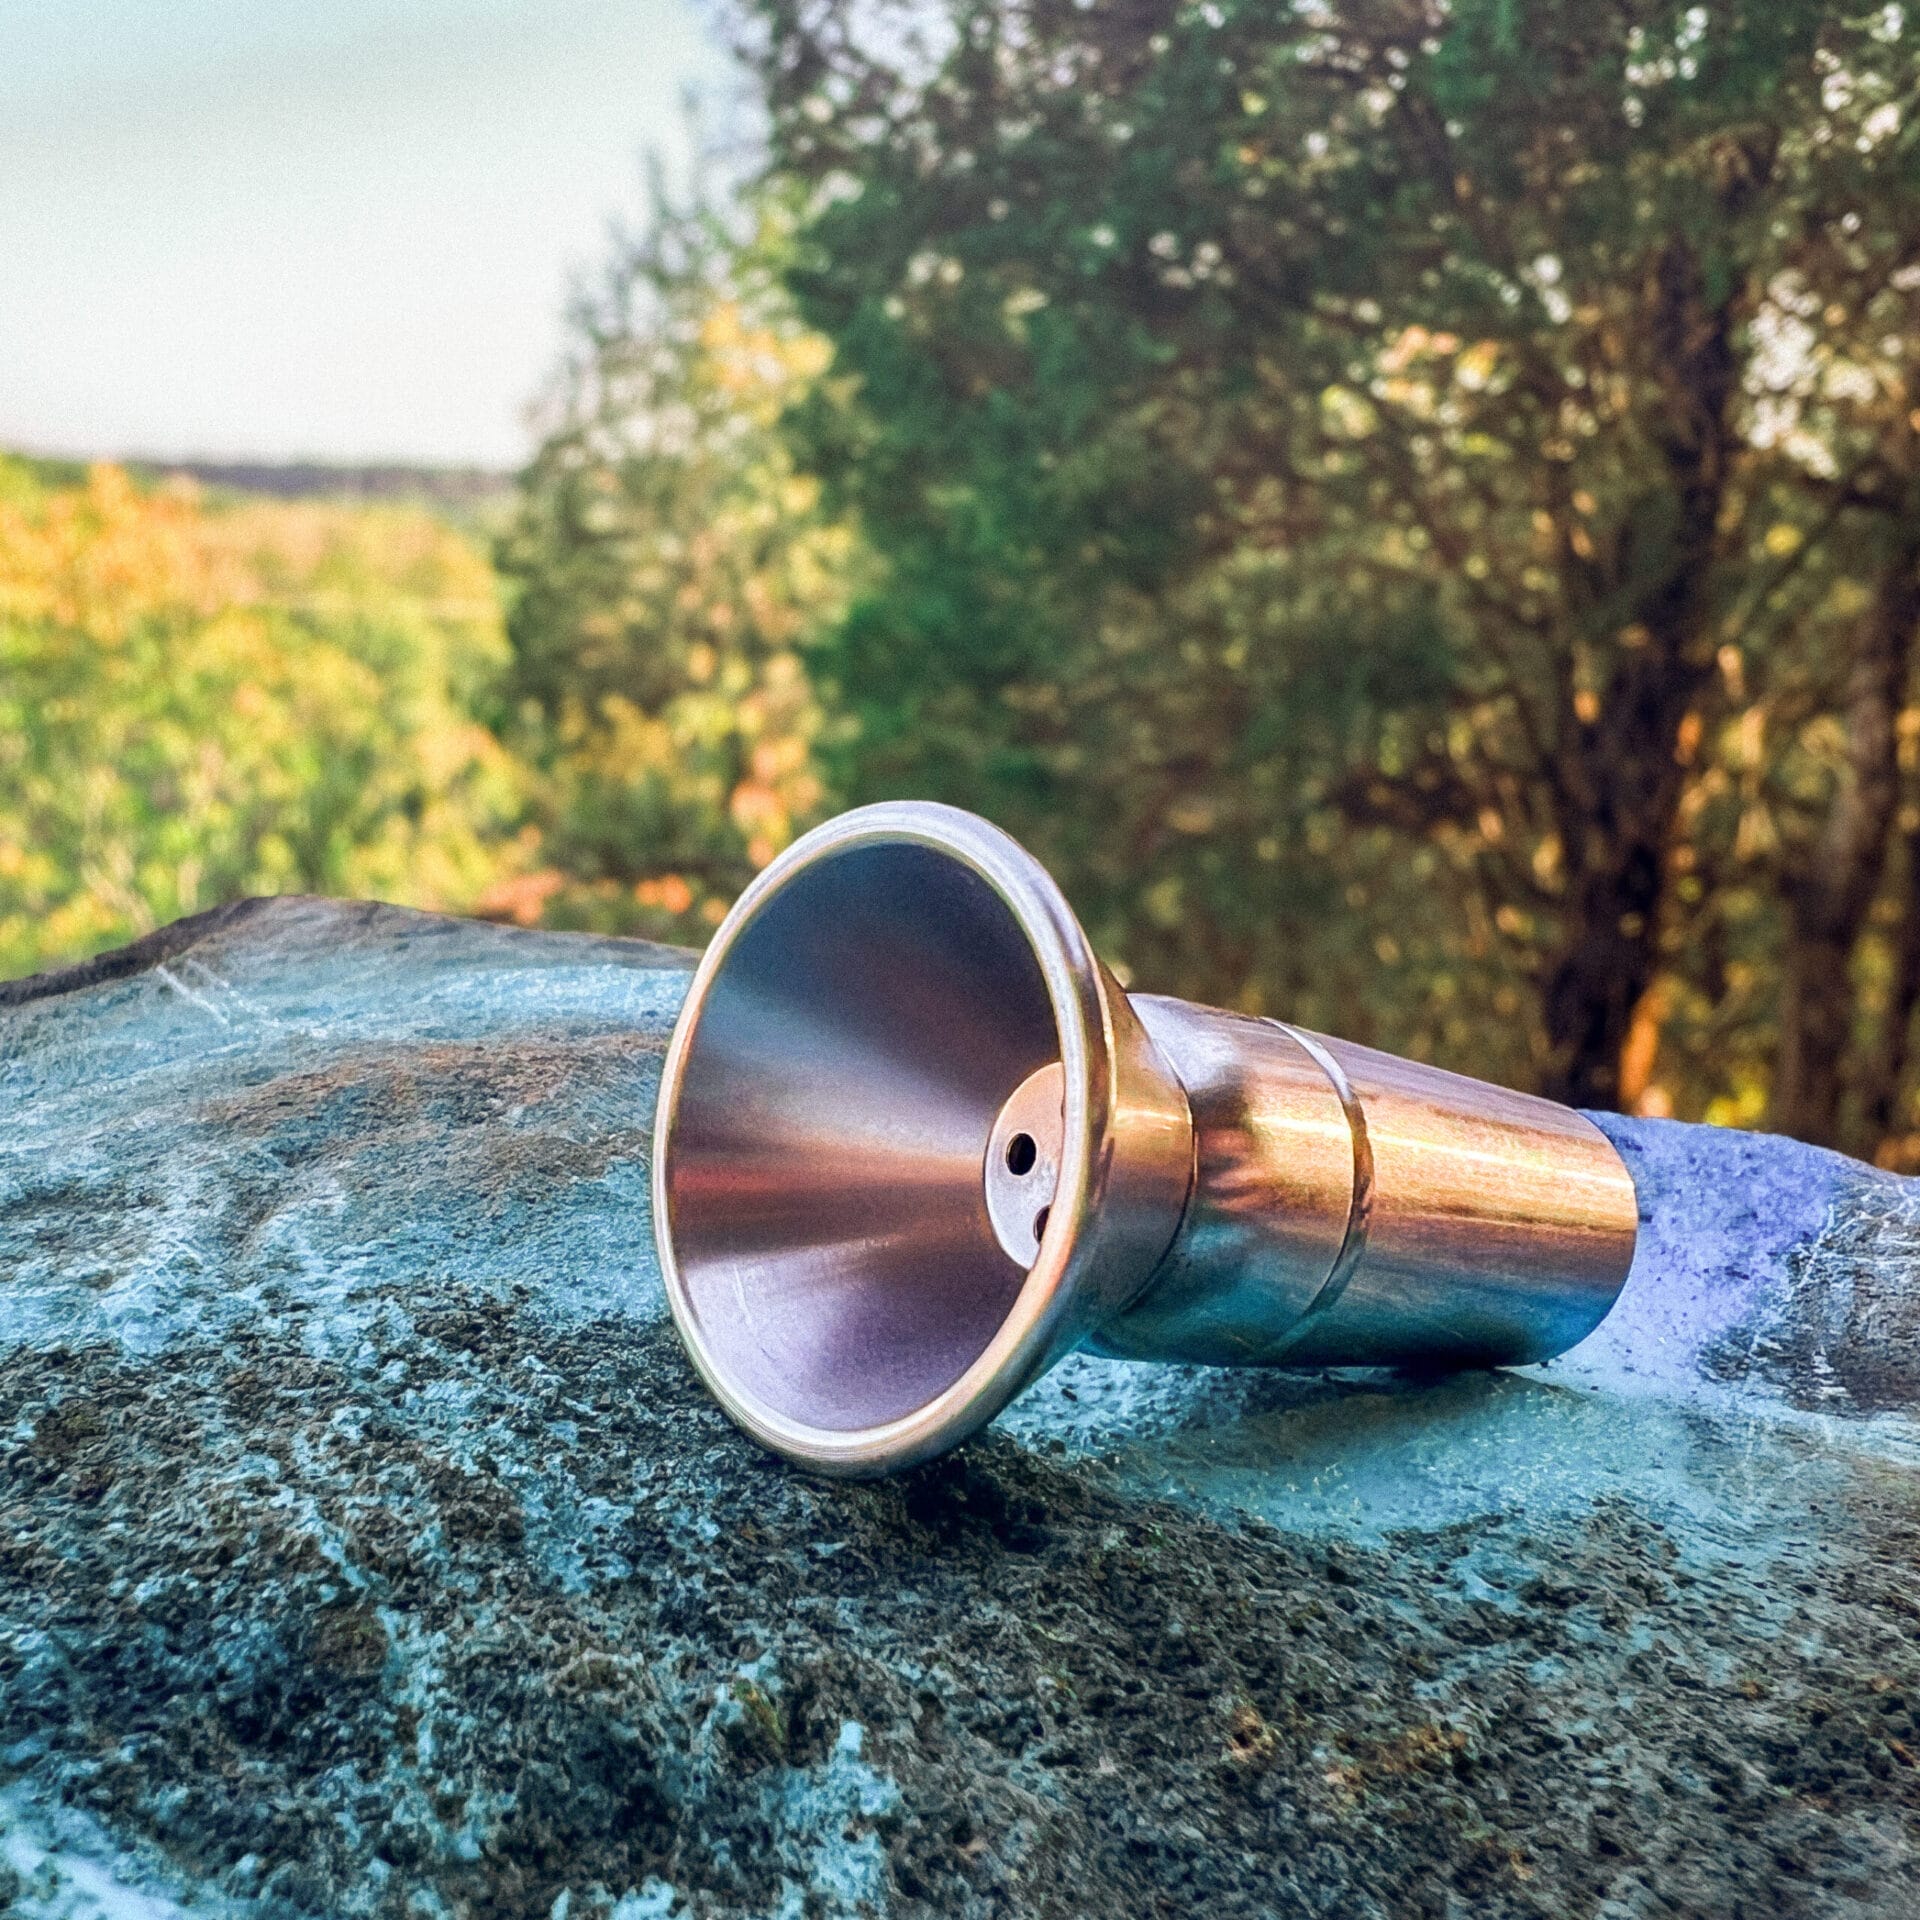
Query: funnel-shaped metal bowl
(849, 1041)
(915, 1144)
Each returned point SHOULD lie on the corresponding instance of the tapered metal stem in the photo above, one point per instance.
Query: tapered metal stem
(914, 1144)
(1351, 1208)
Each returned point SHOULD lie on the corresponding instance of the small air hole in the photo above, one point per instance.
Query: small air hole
(1040, 1223)
(1021, 1153)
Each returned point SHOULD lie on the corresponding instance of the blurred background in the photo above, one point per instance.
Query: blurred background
(1412, 510)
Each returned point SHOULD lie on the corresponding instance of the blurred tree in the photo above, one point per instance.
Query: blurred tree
(1802, 835)
(668, 562)
(1833, 857)
(201, 701)
(1543, 362)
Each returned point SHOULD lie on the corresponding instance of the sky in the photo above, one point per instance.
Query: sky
(334, 229)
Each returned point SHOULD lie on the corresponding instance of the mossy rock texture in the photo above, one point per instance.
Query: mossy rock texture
(368, 1547)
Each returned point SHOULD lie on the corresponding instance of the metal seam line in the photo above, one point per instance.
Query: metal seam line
(1353, 1243)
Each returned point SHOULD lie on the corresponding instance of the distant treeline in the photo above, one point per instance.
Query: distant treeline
(462, 489)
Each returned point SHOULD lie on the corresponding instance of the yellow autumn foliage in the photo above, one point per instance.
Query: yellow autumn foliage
(200, 701)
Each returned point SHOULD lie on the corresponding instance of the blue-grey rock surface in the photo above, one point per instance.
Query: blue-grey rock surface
(367, 1547)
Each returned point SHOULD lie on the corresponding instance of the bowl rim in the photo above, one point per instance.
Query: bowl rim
(1042, 1323)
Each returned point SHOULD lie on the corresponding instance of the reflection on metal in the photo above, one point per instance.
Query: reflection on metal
(915, 1144)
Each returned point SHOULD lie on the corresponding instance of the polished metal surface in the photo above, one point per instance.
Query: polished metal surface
(915, 1144)
(1273, 1194)
(847, 1047)
(1352, 1209)
(1500, 1231)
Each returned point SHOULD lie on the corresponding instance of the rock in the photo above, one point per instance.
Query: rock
(369, 1549)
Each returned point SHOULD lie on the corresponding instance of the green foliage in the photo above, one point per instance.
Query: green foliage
(1409, 437)
(670, 563)
(200, 704)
